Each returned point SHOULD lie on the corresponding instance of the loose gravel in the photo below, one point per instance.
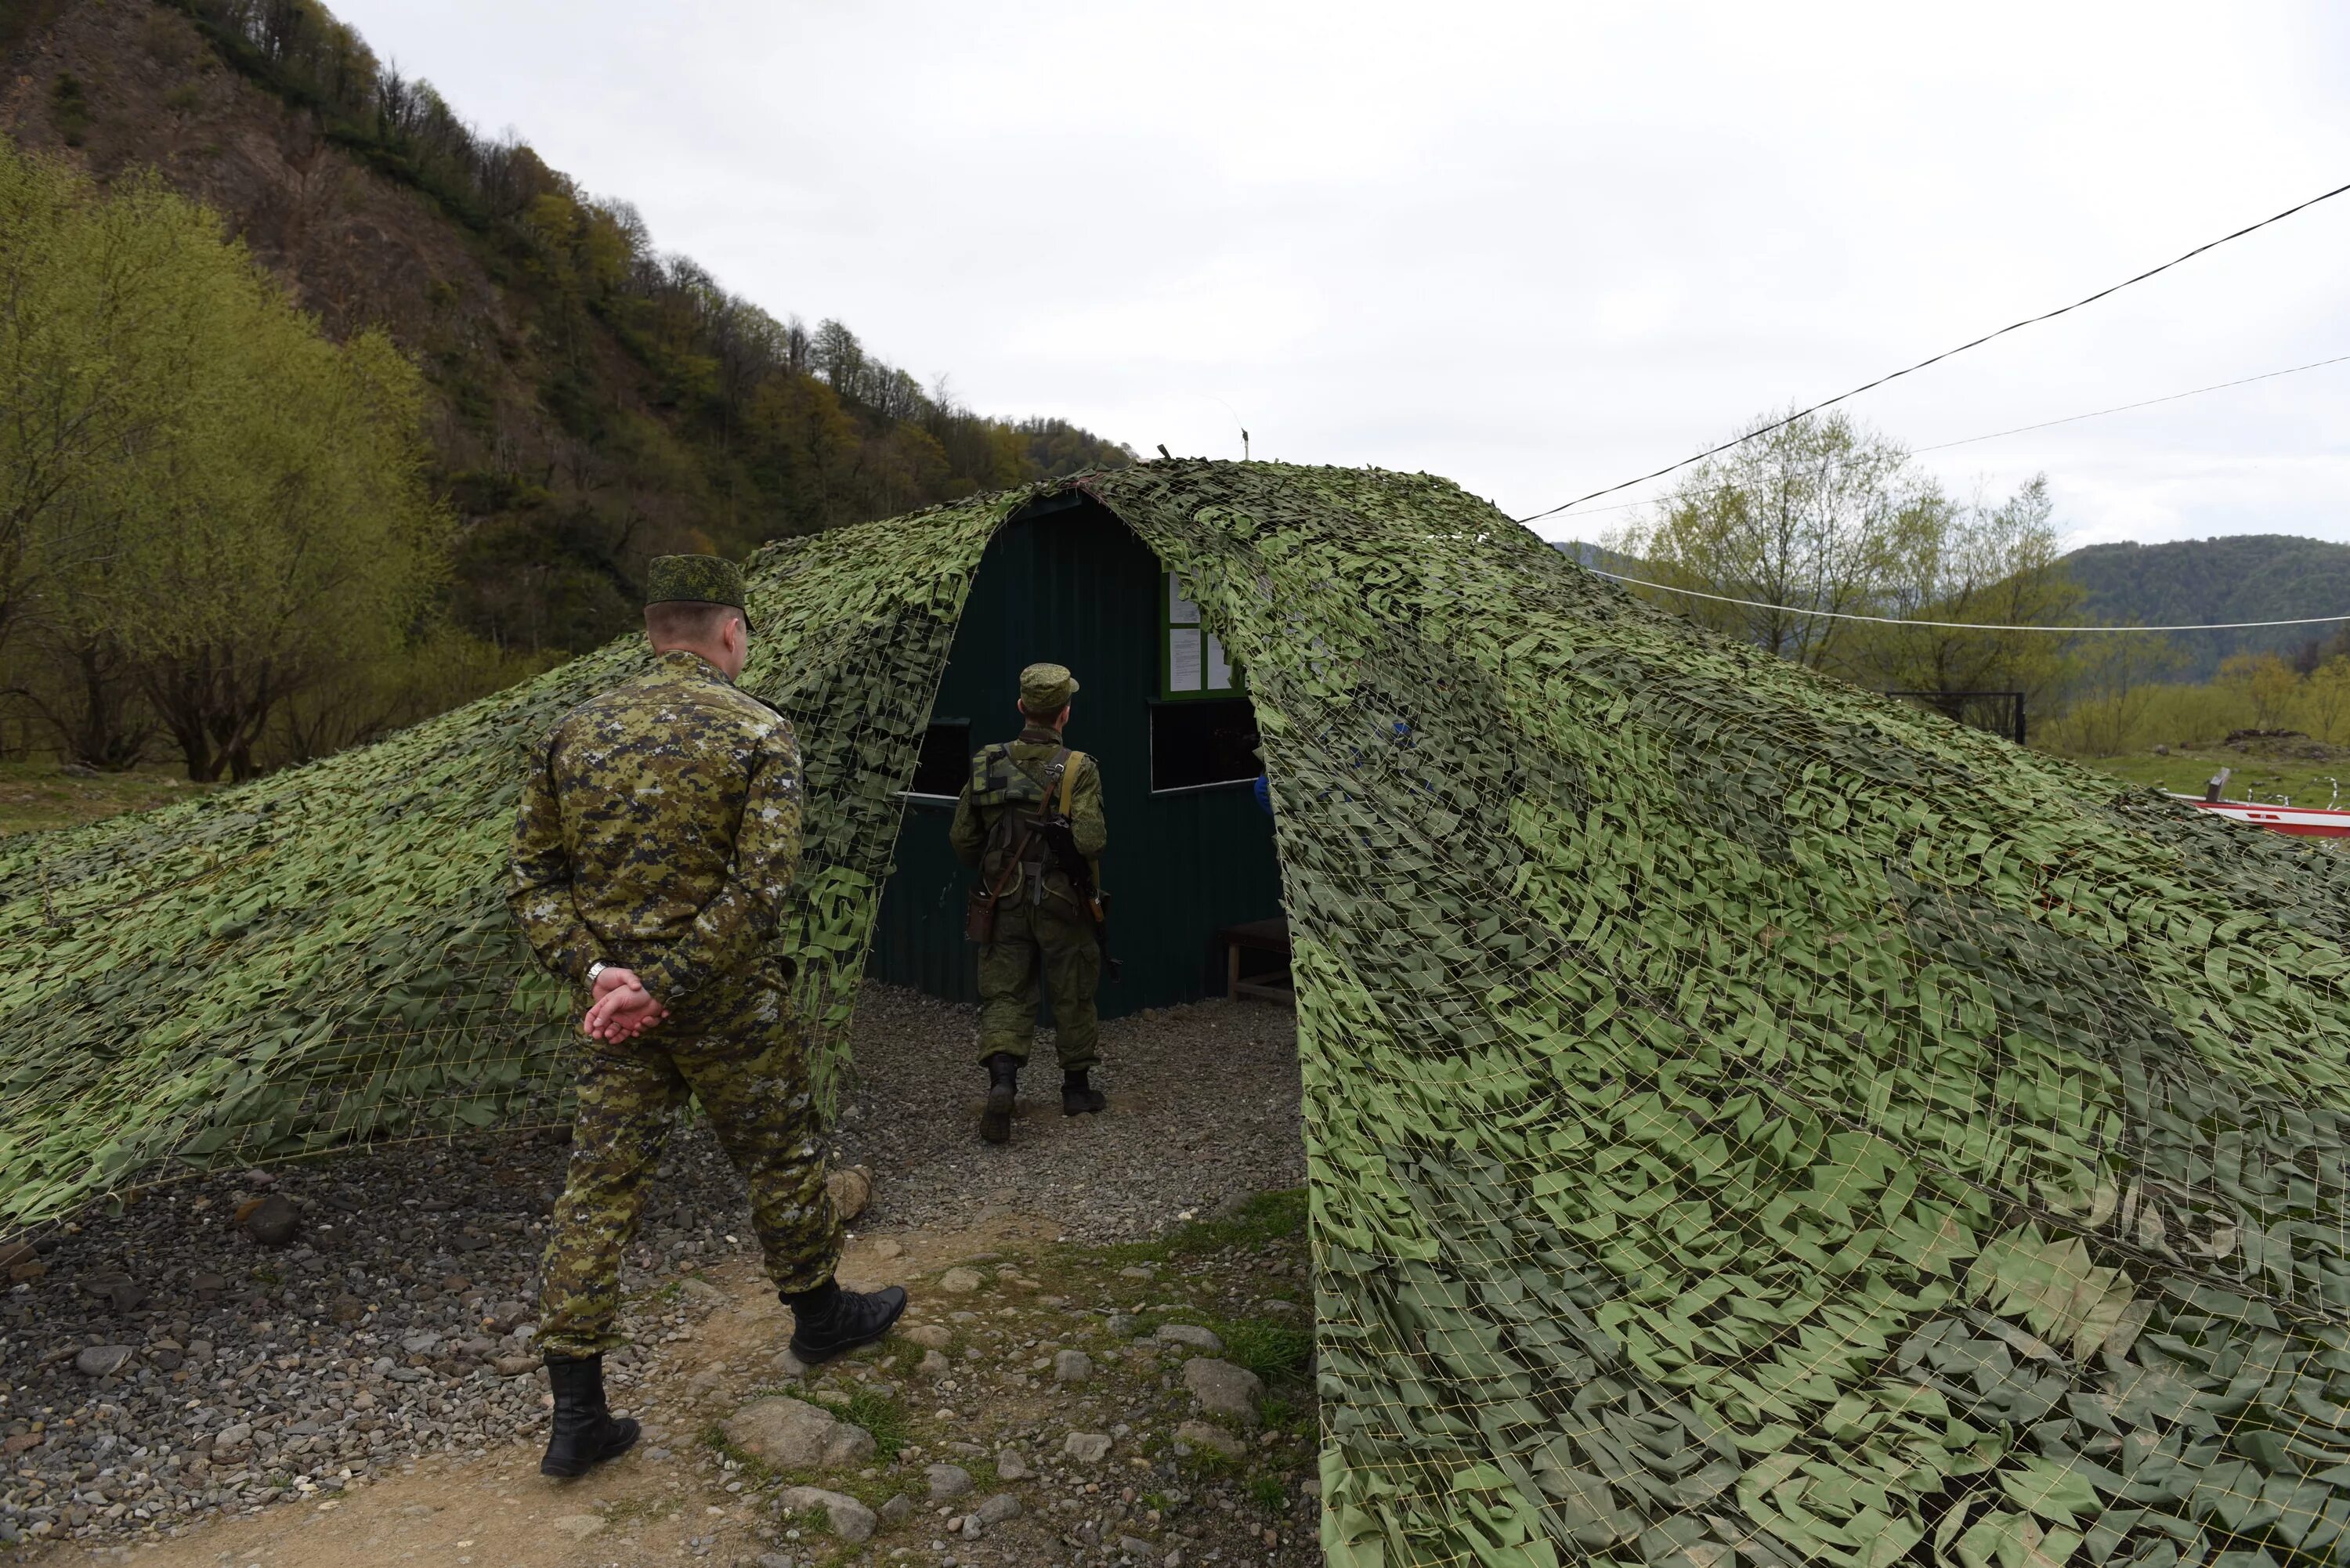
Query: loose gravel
(159, 1366)
(1203, 1110)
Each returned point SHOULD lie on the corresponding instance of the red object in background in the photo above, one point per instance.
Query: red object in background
(2301, 820)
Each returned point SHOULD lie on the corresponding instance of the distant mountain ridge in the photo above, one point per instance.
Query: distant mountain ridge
(2235, 578)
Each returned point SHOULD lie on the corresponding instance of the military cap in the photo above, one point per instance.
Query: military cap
(1046, 688)
(697, 579)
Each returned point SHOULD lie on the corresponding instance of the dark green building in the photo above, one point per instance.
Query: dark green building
(1191, 851)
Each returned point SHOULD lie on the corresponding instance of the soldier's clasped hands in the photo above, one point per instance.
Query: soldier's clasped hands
(623, 1008)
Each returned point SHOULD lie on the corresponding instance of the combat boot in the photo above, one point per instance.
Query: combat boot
(584, 1432)
(828, 1319)
(1079, 1097)
(1002, 1090)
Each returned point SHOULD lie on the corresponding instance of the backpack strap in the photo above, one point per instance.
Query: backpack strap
(1067, 760)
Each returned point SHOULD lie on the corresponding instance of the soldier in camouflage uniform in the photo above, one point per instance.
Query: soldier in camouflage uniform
(1041, 927)
(658, 833)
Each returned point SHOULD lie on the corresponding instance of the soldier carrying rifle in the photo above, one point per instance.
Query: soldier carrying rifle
(1030, 823)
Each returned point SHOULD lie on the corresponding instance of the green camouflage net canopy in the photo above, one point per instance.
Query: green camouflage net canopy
(1750, 1121)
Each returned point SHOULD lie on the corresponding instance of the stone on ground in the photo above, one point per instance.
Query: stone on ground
(102, 1360)
(930, 1335)
(1011, 1466)
(1190, 1334)
(960, 1281)
(1200, 1435)
(1072, 1366)
(947, 1481)
(580, 1526)
(792, 1435)
(997, 1509)
(1086, 1447)
(850, 1520)
(1223, 1389)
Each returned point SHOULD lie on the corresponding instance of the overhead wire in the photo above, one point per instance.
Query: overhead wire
(2045, 424)
(1953, 625)
(1938, 358)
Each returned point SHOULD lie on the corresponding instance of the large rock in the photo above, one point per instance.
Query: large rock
(273, 1221)
(1200, 1435)
(1086, 1447)
(1223, 1389)
(851, 1190)
(794, 1435)
(960, 1282)
(1190, 1334)
(930, 1335)
(997, 1509)
(102, 1360)
(947, 1481)
(850, 1520)
(1072, 1366)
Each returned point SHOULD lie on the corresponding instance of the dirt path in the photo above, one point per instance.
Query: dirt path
(500, 1512)
(970, 1384)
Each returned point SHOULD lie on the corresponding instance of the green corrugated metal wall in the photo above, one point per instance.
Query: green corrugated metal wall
(1074, 584)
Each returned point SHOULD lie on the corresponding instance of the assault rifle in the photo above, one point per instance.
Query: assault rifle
(1062, 841)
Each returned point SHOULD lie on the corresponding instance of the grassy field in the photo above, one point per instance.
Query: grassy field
(38, 795)
(2264, 778)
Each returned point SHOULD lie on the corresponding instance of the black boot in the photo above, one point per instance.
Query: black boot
(1003, 1089)
(828, 1319)
(1079, 1097)
(584, 1432)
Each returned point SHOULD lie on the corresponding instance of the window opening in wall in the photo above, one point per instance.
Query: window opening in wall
(1193, 665)
(945, 760)
(1200, 744)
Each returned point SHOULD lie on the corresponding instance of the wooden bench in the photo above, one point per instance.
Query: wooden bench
(1264, 937)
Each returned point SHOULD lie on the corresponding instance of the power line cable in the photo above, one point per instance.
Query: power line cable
(2147, 403)
(1953, 625)
(1945, 354)
(2045, 424)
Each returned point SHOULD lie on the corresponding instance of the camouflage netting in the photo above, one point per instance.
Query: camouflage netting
(1750, 1122)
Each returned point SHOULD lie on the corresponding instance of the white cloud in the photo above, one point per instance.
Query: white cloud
(1538, 248)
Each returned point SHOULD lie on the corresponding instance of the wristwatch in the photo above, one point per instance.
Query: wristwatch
(599, 967)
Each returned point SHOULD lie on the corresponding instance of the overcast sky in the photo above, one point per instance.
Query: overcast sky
(1537, 249)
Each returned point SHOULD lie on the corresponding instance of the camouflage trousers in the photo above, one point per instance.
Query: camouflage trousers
(742, 1057)
(1045, 942)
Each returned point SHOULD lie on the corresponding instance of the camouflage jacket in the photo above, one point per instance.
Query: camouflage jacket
(1032, 753)
(659, 828)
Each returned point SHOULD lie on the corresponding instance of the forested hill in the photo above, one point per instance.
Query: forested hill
(598, 402)
(2242, 576)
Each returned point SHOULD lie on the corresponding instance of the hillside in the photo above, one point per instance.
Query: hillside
(598, 402)
(2243, 576)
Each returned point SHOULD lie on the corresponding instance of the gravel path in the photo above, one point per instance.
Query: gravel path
(1203, 1108)
(161, 1365)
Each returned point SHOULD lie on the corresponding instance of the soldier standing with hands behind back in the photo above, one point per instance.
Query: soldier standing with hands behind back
(1032, 917)
(658, 833)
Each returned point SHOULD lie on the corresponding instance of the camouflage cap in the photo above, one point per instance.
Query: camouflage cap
(700, 580)
(1046, 688)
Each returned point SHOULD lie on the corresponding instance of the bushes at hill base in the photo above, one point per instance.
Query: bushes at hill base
(1748, 1121)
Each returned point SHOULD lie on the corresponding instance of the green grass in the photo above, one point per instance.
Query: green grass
(35, 795)
(881, 1415)
(1276, 1351)
(1269, 1492)
(1267, 1216)
(2253, 776)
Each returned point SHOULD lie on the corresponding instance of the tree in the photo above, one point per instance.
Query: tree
(2113, 683)
(207, 500)
(1994, 565)
(1801, 519)
(2262, 684)
(2325, 698)
(94, 323)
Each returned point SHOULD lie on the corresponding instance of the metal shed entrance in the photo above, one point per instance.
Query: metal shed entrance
(1190, 852)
